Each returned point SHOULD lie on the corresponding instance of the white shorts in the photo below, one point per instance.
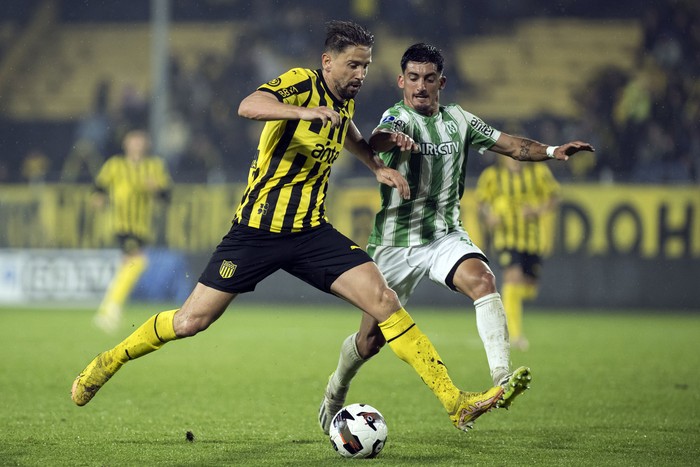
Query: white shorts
(405, 267)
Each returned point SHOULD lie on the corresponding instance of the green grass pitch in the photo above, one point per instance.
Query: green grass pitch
(608, 389)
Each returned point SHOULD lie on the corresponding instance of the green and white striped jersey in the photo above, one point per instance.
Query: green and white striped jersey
(435, 174)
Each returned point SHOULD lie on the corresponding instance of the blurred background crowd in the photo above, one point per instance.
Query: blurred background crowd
(623, 75)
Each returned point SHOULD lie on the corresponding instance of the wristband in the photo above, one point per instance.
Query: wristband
(550, 151)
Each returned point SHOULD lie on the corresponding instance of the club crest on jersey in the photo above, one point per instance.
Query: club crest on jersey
(274, 82)
(451, 127)
(227, 269)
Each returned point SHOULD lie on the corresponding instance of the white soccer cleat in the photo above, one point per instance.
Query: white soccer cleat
(333, 401)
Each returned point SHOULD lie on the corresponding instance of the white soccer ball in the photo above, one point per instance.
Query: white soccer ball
(358, 431)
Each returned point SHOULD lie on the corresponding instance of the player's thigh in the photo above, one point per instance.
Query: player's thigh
(321, 255)
(458, 264)
(365, 287)
(245, 257)
(402, 267)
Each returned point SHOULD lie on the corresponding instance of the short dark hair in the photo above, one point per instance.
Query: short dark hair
(341, 34)
(423, 53)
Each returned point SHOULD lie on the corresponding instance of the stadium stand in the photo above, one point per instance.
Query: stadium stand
(537, 70)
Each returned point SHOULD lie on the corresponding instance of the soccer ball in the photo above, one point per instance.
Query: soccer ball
(358, 431)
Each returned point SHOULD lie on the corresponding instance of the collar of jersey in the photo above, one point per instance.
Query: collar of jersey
(413, 111)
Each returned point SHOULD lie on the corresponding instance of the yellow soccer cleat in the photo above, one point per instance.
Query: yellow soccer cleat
(92, 378)
(472, 405)
(513, 385)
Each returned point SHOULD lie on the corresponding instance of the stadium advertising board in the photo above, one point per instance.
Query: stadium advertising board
(642, 221)
(55, 275)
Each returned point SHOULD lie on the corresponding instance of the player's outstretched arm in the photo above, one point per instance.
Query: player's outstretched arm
(356, 144)
(569, 149)
(524, 149)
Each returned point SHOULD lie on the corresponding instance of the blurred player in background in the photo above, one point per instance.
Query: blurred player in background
(281, 224)
(423, 236)
(513, 198)
(132, 183)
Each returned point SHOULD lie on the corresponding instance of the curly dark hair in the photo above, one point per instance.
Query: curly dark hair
(342, 34)
(423, 53)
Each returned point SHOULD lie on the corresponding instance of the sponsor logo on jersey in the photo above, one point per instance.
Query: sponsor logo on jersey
(288, 91)
(326, 154)
(481, 127)
(227, 269)
(395, 123)
(441, 149)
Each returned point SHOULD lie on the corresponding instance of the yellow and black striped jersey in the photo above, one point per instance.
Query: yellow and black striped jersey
(132, 187)
(288, 181)
(506, 193)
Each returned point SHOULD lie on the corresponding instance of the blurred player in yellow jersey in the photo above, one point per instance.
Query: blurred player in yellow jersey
(513, 197)
(132, 182)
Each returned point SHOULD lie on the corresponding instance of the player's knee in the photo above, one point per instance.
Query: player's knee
(382, 304)
(389, 299)
(483, 284)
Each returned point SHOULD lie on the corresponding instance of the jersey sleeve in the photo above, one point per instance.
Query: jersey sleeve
(393, 120)
(292, 87)
(480, 135)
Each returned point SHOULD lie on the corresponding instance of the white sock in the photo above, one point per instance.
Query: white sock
(348, 364)
(493, 330)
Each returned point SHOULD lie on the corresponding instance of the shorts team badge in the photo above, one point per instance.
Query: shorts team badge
(227, 269)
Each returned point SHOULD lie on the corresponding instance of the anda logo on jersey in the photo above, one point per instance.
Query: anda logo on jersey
(481, 127)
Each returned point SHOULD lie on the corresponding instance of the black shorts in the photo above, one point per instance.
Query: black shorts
(246, 256)
(130, 243)
(530, 264)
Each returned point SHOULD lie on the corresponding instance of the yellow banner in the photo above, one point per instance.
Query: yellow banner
(640, 220)
(644, 221)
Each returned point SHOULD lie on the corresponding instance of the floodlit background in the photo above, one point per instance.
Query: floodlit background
(75, 75)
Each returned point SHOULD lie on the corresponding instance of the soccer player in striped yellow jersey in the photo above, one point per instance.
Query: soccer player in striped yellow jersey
(513, 198)
(281, 224)
(132, 183)
(423, 236)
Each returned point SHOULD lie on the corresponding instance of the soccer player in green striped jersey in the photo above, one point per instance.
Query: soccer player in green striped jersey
(132, 182)
(423, 236)
(513, 198)
(281, 224)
